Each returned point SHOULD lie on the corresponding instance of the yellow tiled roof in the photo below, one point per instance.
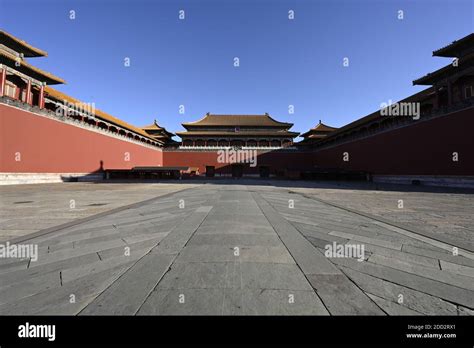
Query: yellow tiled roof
(153, 126)
(24, 44)
(320, 127)
(31, 67)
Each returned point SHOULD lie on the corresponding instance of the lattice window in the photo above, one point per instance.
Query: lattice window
(10, 90)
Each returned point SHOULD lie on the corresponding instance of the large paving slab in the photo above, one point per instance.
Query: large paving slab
(441, 213)
(25, 209)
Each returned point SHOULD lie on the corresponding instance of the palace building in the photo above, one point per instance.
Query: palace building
(48, 136)
(451, 89)
(160, 134)
(18, 79)
(316, 133)
(246, 131)
(425, 148)
(22, 82)
(452, 84)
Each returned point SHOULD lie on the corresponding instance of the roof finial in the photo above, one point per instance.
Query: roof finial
(266, 114)
(319, 121)
(208, 113)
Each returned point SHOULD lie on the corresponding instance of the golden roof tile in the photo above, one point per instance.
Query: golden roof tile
(24, 63)
(28, 50)
(238, 120)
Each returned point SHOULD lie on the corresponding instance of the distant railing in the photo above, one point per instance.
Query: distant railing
(214, 148)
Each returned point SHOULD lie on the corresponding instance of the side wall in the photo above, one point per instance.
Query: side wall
(424, 148)
(276, 161)
(48, 146)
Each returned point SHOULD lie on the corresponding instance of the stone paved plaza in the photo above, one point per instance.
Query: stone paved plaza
(25, 209)
(237, 247)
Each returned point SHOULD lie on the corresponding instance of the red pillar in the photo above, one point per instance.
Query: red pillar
(3, 80)
(28, 92)
(41, 97)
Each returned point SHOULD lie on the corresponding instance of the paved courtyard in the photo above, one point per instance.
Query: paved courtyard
(243, 248)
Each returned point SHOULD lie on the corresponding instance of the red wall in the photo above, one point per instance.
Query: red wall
(49, 146)
(425, 148)
(275, 160)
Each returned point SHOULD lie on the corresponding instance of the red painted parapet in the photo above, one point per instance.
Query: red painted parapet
(31, 143)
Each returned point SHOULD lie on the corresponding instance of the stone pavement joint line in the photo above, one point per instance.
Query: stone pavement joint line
(413, 267)
(438, 240)
(324, 277)
(139, 280)
(89, 218)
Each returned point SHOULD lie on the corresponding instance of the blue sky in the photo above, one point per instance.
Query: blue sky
(283, 62)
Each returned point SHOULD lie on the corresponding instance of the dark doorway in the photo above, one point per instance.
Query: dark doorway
(264, 171)
(210, 171)
(237, 170)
